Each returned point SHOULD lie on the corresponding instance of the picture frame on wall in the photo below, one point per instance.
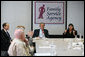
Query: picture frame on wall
(49, 12)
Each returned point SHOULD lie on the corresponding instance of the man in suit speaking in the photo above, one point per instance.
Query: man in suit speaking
(41, 33)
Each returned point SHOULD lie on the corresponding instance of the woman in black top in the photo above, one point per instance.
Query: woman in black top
(70, 32)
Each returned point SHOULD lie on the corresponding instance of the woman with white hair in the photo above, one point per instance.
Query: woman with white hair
(19, 46)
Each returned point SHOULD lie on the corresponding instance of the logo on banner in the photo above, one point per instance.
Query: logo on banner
(41, 11)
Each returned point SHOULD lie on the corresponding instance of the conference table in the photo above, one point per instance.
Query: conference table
(59, 46)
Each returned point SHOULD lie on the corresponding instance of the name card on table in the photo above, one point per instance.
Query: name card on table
(77, 45)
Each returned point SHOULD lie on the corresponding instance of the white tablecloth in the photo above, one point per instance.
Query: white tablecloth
(57, 46)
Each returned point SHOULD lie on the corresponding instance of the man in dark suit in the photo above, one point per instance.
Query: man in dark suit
(41, 32)
(5, 39)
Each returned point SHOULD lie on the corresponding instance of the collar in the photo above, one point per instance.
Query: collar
(5, 30)
(41, 29)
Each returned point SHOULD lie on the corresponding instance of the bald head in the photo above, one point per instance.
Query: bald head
(19, 33)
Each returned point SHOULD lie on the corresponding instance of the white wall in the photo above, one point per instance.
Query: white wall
(16, 13)
(19, 13)
(75, 15)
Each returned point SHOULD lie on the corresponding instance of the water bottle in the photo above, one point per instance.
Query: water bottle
(51, 45)
(75, 38)
(53, 49)
(80, 36)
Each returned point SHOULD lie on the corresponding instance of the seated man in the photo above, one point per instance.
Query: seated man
(41, 32)
(19, 46)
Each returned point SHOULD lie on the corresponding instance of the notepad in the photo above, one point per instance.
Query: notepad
(42, 54)
(77, 45)
(77, 48)
(44, 47)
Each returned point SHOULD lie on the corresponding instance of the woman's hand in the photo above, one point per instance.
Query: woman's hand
(74, 32)
(65, 31)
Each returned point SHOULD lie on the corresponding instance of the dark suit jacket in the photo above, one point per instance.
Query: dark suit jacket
(37, 31)
(69, 35)
(5, 41)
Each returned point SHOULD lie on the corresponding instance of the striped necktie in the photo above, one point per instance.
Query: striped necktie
(8, 35)
(42, 31)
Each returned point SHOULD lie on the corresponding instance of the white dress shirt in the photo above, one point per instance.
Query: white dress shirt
(41, 34)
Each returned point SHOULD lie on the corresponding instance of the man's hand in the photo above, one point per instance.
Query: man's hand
(30, 33)
(37, 38)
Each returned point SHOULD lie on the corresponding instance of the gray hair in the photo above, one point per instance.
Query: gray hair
(42, 23)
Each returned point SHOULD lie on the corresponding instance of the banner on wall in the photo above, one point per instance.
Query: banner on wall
(48, 12)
